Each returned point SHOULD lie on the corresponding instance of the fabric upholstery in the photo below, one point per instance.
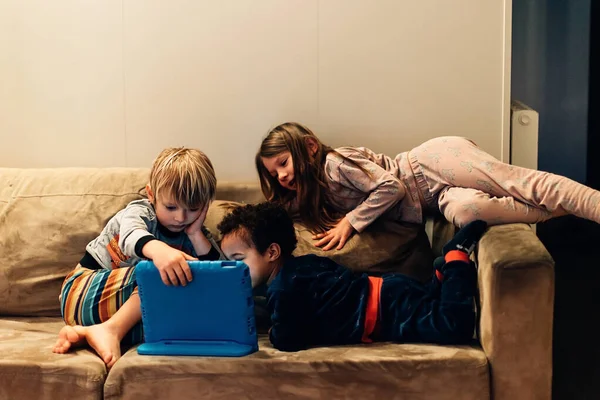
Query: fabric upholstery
(383, 247)
(375, 371)
(29, 369)
(516, 284)
(47, 216)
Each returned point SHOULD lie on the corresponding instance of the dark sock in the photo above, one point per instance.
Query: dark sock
(456, 255)
(460, 247)
(465, 239)
(438, 263)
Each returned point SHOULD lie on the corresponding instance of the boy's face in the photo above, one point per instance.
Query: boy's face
(173, 216)
(235, 248)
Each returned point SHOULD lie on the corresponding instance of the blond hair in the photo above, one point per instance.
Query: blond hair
(187, 175)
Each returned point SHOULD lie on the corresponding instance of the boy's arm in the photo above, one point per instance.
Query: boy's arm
(170, 262)
(287, 332)
(293, 299)
(135, 238)
(201, 244)
(135, 229)
(215, 252)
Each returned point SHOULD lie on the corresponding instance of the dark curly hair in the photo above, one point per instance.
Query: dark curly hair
(260, 225)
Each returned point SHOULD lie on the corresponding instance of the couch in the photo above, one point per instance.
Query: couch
(47, 216)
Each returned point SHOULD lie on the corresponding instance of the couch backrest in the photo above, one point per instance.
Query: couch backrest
(47, 217)
(385, 246)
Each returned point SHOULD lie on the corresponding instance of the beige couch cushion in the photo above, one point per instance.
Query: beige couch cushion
(377, 371)
(47, 217)
(384, 247)
(29, 369)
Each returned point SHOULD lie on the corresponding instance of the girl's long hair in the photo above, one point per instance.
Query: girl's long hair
(312, 191)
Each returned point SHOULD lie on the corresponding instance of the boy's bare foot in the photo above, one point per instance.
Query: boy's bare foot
(100, 337)
(67, 338)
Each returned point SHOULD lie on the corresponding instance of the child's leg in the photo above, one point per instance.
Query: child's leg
(412, 313)
(463, 205)
(101, 308)
(105, 338)
(452, 163)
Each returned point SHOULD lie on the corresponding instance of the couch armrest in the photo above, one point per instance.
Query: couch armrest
(516, 285)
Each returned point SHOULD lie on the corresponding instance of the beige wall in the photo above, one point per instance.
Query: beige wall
(111, 82)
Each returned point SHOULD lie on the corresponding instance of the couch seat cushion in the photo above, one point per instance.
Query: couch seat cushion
(29, 369)
(375, 371)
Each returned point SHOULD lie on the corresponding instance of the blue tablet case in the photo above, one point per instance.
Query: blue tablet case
(211, 316)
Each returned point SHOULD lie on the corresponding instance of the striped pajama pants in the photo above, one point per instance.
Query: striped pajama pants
(90, 297)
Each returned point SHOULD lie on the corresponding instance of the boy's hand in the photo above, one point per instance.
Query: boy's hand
(171, 263)
(194, 231)
(196, 226)
(338, 235)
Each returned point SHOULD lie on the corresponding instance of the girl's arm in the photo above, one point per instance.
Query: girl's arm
(382, 188)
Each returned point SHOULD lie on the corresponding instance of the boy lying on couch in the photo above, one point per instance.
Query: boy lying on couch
(314, 301)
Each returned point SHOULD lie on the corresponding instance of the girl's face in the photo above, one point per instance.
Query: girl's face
(281, 167)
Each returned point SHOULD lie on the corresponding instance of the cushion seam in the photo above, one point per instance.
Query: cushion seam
(75, 195)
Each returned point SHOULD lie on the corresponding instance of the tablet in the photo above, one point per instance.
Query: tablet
(211, 316)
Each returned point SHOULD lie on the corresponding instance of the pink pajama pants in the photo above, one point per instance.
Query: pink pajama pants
(470, 184)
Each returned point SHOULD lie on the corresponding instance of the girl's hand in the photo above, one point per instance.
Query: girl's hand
(338, 235)
(196, 226)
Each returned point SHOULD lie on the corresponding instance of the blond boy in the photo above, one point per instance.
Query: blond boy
(99, 299)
